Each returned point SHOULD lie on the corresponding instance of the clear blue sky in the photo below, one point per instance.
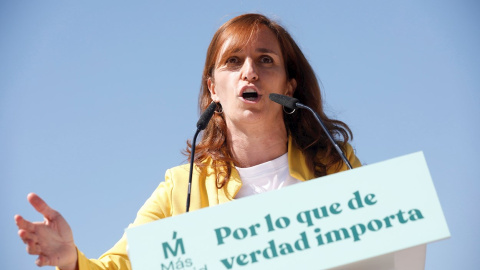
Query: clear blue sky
(97, 99)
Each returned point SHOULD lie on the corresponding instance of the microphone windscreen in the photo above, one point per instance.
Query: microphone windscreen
(286, 101)
(206, 115)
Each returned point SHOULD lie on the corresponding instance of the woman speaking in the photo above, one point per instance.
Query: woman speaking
(251, 145)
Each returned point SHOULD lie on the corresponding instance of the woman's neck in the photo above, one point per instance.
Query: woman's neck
(253, 146)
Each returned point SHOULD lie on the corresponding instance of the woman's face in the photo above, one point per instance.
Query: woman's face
(243, 81)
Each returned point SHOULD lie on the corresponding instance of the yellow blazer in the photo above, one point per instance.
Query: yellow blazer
(169, 199)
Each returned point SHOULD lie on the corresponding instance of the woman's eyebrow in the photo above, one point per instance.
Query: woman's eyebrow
(258, 50)
(266, 50)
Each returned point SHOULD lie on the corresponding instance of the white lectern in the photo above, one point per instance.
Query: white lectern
(379, 216)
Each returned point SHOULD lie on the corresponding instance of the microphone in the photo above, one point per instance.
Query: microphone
(293, 103)
(206, 116)
(201, 125)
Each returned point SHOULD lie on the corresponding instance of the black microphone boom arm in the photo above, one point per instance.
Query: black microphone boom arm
(201, 125)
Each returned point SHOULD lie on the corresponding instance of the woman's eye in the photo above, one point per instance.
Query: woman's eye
(232, 60)
(266, 59)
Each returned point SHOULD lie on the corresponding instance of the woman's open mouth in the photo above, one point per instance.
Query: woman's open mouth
(250, 95)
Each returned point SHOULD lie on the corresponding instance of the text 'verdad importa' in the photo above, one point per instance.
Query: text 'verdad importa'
(312, 238)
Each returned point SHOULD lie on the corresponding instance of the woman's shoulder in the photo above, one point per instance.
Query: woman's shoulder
(179, 169)
(185, 168)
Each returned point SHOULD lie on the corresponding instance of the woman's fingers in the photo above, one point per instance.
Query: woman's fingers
(42, 260)
(24, 224)
(27, 236)
(33, 248)
(31, 240)
(26, 231)
(41, 206)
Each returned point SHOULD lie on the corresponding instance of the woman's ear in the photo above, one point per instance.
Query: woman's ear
(211, 88)
(291, 87)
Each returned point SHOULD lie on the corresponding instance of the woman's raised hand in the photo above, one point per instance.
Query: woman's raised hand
(51, 240)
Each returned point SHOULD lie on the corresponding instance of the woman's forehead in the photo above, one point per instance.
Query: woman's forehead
(261, 37)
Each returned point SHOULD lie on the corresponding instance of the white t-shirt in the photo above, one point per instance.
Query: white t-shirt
(271, 175)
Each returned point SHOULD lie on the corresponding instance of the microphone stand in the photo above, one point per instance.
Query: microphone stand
(191, 170)
(342, 155)
(201, 125)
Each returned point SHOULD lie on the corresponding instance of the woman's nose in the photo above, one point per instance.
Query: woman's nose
(249, 72)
